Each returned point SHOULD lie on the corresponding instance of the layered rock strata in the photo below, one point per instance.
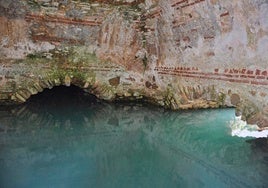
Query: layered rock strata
(180, 54)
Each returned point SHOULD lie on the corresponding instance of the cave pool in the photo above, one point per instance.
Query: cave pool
(64, 138)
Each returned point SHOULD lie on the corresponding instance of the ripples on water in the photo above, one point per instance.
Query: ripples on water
(62, 138)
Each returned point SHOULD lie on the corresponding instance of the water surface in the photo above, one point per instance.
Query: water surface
(62, 138)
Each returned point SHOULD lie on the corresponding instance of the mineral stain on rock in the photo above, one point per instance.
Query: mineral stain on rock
(114, 81)
(235, 99)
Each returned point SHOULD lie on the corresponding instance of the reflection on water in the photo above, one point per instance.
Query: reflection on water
(62, 139)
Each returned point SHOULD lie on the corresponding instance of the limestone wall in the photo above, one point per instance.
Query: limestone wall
(179, 54)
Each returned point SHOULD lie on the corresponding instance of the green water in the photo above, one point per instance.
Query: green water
(64, 139)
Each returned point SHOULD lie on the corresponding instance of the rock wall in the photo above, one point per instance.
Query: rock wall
(179, 54)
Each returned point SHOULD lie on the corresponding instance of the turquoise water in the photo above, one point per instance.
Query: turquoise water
(62, 138)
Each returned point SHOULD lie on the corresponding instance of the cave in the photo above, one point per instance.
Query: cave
(61, 96)
(133, 93)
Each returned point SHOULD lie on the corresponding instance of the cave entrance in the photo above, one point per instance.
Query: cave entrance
(61, 97)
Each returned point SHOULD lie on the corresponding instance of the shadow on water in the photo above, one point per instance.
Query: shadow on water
(67, 138)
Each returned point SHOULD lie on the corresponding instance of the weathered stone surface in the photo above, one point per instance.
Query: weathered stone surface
(114, 81)
(174, 53)
(235, 99)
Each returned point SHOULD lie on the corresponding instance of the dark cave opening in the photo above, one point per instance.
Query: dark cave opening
(63, 96)
(62, 101)
(60, 106)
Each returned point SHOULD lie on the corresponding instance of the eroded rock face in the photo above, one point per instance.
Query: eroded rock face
(178, 54)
